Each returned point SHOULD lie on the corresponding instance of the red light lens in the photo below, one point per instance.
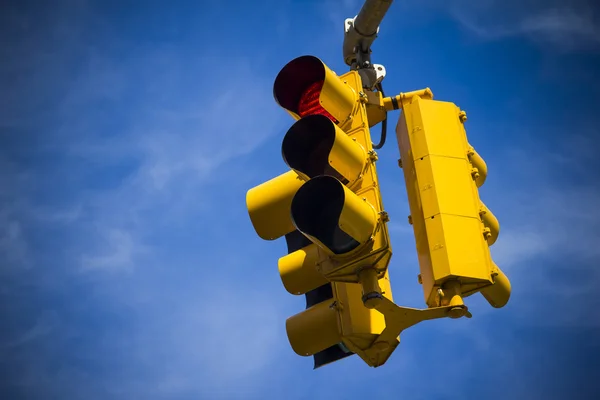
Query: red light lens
(309, 102)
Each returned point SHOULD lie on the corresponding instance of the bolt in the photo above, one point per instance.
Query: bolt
(384, 216)
(487, 233)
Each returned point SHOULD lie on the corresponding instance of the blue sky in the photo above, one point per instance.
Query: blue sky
(131, 131)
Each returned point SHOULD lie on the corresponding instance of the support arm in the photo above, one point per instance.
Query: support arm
(359, 34)
(362, 30)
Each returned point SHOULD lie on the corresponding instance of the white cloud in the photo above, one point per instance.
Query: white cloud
(44, 324)
(116, 254)
(14, 249)
(220, 336)
(172, 147)
(171, 144)
(559, 221)
(207, 339)
(66, 215)
(519, 247)
(548, 242)
(232, 339)
(567, 26)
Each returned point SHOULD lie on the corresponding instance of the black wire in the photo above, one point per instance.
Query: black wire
(383, 123)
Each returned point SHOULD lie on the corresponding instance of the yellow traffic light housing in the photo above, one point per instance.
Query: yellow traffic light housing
(453, 228)
(269, 205)
(335, 323)
(306, 86)
(329, 209)
(339, 208)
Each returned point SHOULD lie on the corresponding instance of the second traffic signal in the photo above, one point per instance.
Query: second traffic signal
(453, 228)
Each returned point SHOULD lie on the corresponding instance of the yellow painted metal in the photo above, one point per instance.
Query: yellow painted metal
(341, 319)
(332, 196)
(358, 218)
(360, 325)
(337, 96)
(298, 270)
(269, 205)
(337, 205)
(323, 209)
(480, 172)
(370, 287)
(353, 127)
(373, 334)
(498, 294)
(376, 111)
(315, 146)
(347, 157)
(397, 319)
(395, 102)
(314, 329)
(453, 228)
(491, 223)
(375, 252)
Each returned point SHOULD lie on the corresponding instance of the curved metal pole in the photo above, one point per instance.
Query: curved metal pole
(362, 30)
(370, 16)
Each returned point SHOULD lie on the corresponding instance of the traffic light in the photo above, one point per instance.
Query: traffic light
(453, 228)
(335, 323)
(329, 208)
(339, 206)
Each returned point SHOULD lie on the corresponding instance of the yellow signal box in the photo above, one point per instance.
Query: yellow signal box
(335, 324)
(329, 209)
(339, 208)
(453, 228)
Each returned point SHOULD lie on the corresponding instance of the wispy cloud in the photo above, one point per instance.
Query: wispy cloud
(205, 341)
(163, 152)
(547, 217)
(66, 215)
(520, 246)
(558, 223)
(125, 197)
(44, 324)
(14, 250)
(567, 26)
(117, 254)
(175, 148)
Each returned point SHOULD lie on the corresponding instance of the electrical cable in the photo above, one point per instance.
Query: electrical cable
(383, 123)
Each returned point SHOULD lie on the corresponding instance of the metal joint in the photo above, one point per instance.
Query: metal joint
(373, 155)
(384, 216)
